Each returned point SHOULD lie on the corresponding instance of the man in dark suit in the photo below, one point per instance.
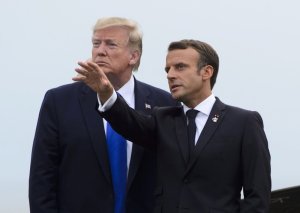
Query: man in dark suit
(205, 159)
(70, 167)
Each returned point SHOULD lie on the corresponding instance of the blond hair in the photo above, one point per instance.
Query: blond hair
(135, 34)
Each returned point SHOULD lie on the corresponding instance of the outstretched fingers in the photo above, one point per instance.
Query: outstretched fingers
(82, 72)
(93, 76)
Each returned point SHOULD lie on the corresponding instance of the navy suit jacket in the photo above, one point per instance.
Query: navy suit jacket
(70, 170)
(231, 154)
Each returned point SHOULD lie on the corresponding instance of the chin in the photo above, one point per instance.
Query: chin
(176, 97)
(107, 71)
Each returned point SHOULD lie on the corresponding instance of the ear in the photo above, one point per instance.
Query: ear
(135, 55)
(207, 72)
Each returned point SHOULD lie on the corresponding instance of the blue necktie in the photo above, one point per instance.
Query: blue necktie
(118, 164)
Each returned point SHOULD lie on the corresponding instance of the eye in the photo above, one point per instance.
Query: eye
(167, 69)
(111, 44)
(180, 66)
(96, 44)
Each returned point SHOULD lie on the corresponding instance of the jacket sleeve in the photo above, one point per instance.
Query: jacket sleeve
(44, 160)
(256, 167)
(132, 125)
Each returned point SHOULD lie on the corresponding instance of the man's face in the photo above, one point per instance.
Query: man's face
(184, 78)
(111, 51)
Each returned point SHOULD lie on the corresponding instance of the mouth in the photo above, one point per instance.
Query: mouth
(101, 63)
(174, 87)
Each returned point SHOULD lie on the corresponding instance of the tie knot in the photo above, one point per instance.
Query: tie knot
(192, 113)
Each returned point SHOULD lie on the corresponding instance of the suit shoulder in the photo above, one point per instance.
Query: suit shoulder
(232, 109)
(244, 114)
(240, 111)
(66, 87)
(152, 89)
(69, 90)
(156, 96)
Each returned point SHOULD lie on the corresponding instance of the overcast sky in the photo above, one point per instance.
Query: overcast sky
(257, 41)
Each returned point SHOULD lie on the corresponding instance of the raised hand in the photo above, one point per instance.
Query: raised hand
(94, 77)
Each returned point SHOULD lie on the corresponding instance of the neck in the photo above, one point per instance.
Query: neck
(119, 81)
(197, 100)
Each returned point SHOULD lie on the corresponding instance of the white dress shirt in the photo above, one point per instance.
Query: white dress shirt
(204, 109)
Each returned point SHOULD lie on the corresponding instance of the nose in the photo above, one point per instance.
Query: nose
(101, 49)
(170, 74)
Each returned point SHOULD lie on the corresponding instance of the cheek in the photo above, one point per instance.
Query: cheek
(187, 79)
(193, 82)
(94, 53)
(124, 61)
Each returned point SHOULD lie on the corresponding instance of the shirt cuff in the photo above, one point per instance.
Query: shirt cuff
(108, 104)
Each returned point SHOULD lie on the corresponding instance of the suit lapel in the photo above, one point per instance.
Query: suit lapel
(143, 104)
(213, 121)
(94, 123)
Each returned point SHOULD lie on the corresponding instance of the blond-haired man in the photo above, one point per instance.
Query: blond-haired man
(71, 165)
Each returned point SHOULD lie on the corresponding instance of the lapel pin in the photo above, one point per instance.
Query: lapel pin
(215, 118)
(147, 106)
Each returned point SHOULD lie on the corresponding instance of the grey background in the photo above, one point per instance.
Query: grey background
(257, 41)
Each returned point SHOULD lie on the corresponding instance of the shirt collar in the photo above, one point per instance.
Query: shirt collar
(127, 90)
(205, 106)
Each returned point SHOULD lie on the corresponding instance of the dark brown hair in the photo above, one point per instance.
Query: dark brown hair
(207, 55)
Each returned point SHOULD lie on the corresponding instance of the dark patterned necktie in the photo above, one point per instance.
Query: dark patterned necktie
(191, 115)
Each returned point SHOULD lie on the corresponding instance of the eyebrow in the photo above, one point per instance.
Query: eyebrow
(105, 40)
(181, 64)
